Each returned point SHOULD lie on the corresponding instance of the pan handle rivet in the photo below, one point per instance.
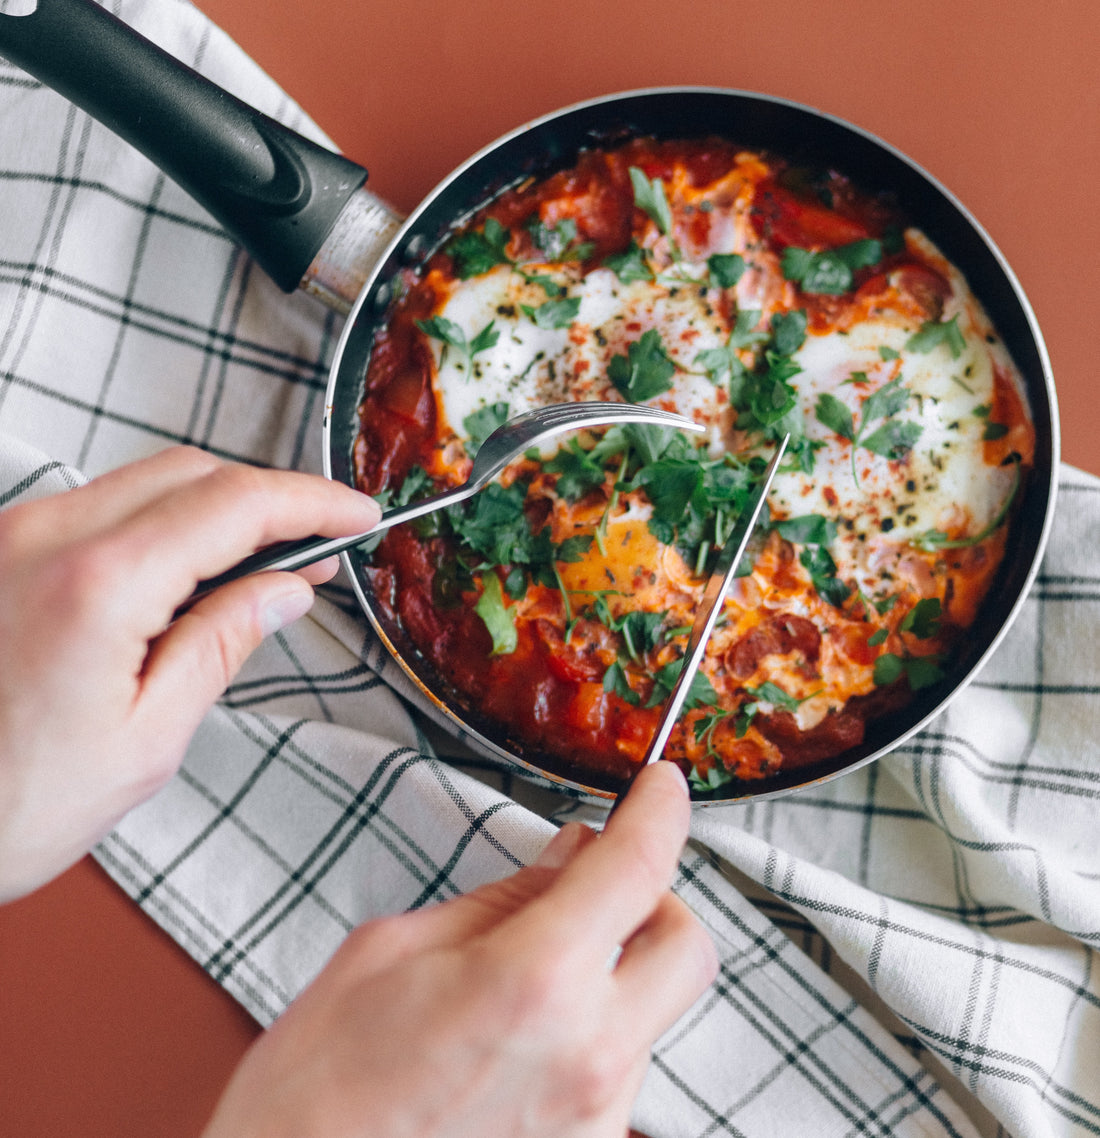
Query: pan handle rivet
(381, 300)
(415, 249)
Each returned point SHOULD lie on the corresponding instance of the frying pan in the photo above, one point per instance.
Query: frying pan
(303, 214)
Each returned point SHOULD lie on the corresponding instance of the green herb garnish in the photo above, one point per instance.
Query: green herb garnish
(477, 251)
(556, 242)
(645, 371)
(558, 313)
(726, 269)
(933, 333)
(831, 271)
(894, 439)
(498, 618)
(480, 424)
(649, 197)
(451, 335)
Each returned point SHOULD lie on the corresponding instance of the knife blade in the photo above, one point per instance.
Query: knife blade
(710, 608)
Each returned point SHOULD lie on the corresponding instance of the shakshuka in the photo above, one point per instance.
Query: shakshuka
(758, 298)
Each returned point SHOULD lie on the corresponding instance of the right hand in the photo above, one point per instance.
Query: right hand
(498, 1014)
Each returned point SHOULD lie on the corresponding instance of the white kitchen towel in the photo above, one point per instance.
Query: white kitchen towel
(908, 950)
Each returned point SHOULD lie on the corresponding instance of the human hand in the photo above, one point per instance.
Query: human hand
(498, 1013)
(100, 691)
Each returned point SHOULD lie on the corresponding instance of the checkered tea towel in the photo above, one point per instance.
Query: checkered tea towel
(908, 950)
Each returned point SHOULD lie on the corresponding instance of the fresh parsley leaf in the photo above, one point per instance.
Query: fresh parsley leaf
(726, 269)
(860, 254)
(480, 424)
(923, 671)
(789, 331)
(704, 728)
(450, 334)
(572, 548)
(796, 262)
(615, 682)
(892, 440)
(701, 691)
(578, 471)
(888, 400)
(645, 371)
(555, 242)
(829, 272)
(745, 333)
(484, 340)
(649, 196)
(477, 251)
(716, 776)
(819, 563)
(559, 313)
(417, 484)
(923, 619)
(546, 283)
(498, 618)
(770, 397)
(719, 362)
(671, 485)
(919, 671)
(630, 265)
(820, 273)
(641, 631)
(888, 668)
(769, 692)
(444, 330)
(933, 333)
(808, 529)
(835, 414)
(994, 431)
(887, 354)
(494, 526)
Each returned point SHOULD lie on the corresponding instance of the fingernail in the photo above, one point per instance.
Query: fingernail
(285, 608)
(680, 777)
(674, 772)
(562, 846)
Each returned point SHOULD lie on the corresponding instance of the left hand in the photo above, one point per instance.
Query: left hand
(526, 1009)
(100, 691)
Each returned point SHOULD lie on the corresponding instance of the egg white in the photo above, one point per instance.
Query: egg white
(873, 499)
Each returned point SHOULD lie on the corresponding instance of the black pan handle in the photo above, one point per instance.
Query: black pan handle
(277, 193)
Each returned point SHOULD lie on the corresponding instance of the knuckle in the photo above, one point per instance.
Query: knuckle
(191, 460)
(364, 941)
(598, 1079)
(548, 995)
(647, 865)
(245, 483)
(82, 579)
(535, 996)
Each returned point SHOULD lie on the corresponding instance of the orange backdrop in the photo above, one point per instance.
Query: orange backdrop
(107, 1029)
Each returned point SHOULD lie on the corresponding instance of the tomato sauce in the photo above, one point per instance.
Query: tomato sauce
(554, 688)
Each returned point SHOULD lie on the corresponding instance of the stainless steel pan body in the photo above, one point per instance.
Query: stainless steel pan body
(305, 216)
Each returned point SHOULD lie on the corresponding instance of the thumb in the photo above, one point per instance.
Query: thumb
(192, 663)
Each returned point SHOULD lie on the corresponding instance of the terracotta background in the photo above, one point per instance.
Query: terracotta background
(106, 1027)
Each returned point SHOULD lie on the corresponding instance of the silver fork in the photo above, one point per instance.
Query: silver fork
(506, 444)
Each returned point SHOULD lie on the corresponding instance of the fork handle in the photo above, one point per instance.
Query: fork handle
(289, 556)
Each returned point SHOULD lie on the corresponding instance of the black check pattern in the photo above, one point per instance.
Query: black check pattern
(909, 950)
